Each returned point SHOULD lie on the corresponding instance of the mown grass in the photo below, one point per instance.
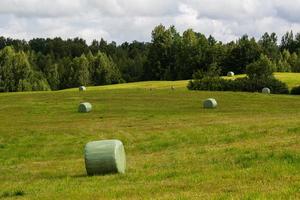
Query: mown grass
(291, 79)
(248, 148)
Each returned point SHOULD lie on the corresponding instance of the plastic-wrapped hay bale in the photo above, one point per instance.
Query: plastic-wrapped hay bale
(210, 103)
(85, 107)
(82, 88)
(266, 90)
(105, 157)
(230, 74)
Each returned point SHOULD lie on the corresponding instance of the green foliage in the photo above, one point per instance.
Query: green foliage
(131, 58)
(82, 71)
(213, 71)
(161, 59)
(169, 56)
(256, 85)
(7, 82)
(260, 69)
(39, 83)
(209, 83)
(268, 42)
(46, 65)
(241, 54)
(283, 66)
(294, 61)
(105, 70)
(290, 42)
(17, 74)
(192, 54)
(286, 61)
(260, 75)
(239, 84)
(295, 90)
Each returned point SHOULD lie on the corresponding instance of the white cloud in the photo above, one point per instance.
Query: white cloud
(289, 10)
(132, 8)
(41, 8)
(127, 20)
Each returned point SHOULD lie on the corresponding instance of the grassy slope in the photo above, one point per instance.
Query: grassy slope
(247, 148)
(291, 79)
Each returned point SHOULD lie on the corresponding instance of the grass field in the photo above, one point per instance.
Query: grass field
(247, 148)
(291, 79)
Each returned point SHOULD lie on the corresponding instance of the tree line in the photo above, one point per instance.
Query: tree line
(53, 64)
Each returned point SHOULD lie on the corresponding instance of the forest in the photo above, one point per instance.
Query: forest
(55, 64)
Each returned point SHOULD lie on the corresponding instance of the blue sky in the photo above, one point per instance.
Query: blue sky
(127, 20)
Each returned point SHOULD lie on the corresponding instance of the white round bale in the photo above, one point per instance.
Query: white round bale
(210, 103)
(104, 157)
(82, 88)
(230, 74)
(266, 90)
(85, 107)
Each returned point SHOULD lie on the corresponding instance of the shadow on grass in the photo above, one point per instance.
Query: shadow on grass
(75, 176)
(14, 193)
(80, 176)
(96, 175)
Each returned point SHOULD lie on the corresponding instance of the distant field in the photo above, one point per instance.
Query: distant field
(291, 79)
(142, 85)
(248, 148)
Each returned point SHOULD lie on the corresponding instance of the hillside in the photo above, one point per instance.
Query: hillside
(291, 79)
(248, 148)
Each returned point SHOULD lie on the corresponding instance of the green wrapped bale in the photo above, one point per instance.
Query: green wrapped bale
(82, 88)
(105, 157)
(85, 107)
(266, 90)
(210, 103)
(230, 74)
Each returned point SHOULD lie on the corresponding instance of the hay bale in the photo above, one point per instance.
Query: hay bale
(210, 103)
(266, 90)
(104, 157)
(82, 88)
(230, 74)
(85, 107)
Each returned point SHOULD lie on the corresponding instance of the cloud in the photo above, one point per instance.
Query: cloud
(41, 8)
(127, 20)
(134, 8)
(237, 10)
(288, 10)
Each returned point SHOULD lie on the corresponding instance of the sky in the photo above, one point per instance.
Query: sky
(128, 20)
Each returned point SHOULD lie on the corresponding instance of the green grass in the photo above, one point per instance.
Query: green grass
(247, 148)
(291, 79)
